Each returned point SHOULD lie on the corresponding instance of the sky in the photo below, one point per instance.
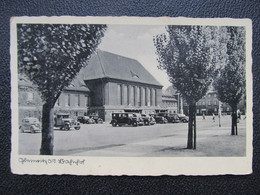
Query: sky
(136, 41)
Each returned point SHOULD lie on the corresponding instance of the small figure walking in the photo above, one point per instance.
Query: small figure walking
(213, 117)
(203, 115)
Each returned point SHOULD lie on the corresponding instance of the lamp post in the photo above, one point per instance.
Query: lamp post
(178, 104)
(219, 113)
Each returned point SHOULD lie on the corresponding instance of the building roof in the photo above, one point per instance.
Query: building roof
(108, 65)
(23, 81)
(77, 84)
(170, 91)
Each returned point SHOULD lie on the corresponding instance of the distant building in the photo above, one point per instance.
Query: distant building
(74, 100)
(172, 100)
(210, 104)
(169, 103)
(29, 100)
(109, 83)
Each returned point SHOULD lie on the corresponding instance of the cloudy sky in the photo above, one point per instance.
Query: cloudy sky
(135, 41)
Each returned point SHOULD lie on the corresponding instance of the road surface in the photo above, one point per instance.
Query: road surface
(156, 140)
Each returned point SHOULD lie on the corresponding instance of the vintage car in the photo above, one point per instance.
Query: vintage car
(171, 118)
(86, 120)
(160, 119)
(96, 118)
(123, 118)
(30, 124)
(64, 122)
(148, 120)
(183, 118)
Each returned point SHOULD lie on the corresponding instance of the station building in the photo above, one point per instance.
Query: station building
(109, 83)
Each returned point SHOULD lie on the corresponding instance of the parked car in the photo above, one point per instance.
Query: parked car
(171, 118)
(183, 118)
(123, 118)
(148, 120)
(64, 122)
(30, 124)
(160, 119)
(96, 118)
(85, 120)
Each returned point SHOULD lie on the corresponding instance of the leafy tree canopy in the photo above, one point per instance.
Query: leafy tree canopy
(51, 55)
(230, 82)
(185, 55)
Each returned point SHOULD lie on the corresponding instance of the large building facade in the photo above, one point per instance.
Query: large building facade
(209, 105)
(109, 83)
(120, 84)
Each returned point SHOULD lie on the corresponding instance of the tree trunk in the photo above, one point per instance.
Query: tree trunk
(234, 121)
(47, 129)
(191, 144)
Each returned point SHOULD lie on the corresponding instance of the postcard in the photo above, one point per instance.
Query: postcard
(131, 96)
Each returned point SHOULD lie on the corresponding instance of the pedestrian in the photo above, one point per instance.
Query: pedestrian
(213, 117)
(203, 115)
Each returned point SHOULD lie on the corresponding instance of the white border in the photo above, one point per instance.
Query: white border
(132, 165)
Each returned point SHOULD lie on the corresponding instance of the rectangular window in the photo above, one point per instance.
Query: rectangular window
(138, 96)
(155, 98)
(77, 103)
(134, 95)
(148, 97)
(86, 101)
(215, 102)
(151, 97)
(203, 103)
(145, 96)
(67, 100)
(30, 97)
(127, 95)
(209, 103)
(120, 94)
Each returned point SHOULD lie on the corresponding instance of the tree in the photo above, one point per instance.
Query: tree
(185, 55)
(51, 55)
(230, 82)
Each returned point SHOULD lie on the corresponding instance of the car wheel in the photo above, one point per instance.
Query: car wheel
(21, 129)
(134, 124)
(114, 124)
(77, 128)
(66, 127)
(146, 123)
(32, 130)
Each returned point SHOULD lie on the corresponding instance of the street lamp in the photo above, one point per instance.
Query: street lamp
(219, 113)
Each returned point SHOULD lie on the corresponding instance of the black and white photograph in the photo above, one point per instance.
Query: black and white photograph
(129, 95)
